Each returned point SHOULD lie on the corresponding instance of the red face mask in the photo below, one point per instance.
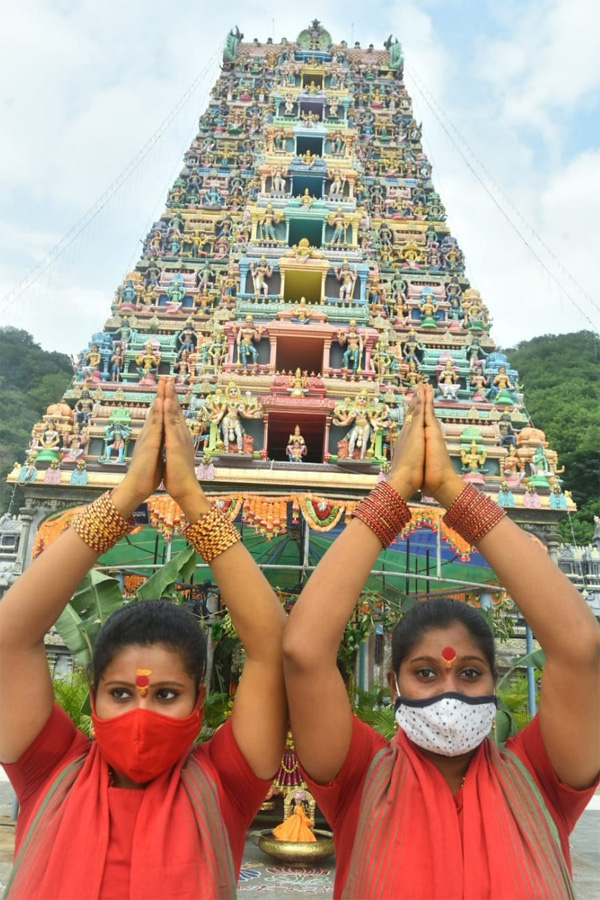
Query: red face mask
(143, 744)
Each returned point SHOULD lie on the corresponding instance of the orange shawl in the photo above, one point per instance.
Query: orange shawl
(180, 849)
(408, 844)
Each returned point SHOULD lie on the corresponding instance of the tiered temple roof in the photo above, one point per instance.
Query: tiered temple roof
(300, 282)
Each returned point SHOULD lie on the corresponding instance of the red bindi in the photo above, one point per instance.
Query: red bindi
(142, 681)
(448, 655)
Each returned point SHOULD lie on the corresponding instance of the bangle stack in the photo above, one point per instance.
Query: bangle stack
(473, 514)
(100, 525)
(211, 534)
(384, 512)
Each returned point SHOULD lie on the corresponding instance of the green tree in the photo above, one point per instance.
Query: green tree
(561, 379)
(30, 380)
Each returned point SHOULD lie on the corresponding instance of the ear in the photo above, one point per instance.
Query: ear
(391, 680)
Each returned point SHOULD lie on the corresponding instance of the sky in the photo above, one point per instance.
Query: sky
(99, 102)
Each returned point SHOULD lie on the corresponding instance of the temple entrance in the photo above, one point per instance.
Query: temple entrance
(282, 425)
(300, 284)
(311, 229)
(306, 355)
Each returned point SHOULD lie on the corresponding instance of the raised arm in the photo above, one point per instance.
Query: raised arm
(320, 711)
(259, 717)
(37, 598)
(557, 614)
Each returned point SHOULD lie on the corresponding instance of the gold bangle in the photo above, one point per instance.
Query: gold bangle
(212, 534)
(100, 525)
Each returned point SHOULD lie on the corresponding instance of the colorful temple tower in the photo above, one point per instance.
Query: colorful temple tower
(299, 284)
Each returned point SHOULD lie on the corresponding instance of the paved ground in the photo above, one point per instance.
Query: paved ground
(260, 875)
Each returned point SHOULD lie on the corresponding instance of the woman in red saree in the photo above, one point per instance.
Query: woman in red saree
(139, 812)
(440, 813)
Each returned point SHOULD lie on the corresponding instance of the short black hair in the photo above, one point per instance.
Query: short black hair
(147, 622)
(441, 612)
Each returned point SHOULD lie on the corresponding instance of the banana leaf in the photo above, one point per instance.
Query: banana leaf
(95, 599)
(536, 659)
(160, 585)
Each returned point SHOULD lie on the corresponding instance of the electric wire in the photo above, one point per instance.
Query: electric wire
(467, 155)
(65, 242)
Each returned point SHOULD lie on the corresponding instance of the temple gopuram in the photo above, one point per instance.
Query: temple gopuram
(301, 281)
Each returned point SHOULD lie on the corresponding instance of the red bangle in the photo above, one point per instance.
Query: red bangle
(384, 512)
(473, 514)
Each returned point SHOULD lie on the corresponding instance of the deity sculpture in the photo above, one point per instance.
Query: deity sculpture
(427, 308)
(502, 389)
(52, 475)
(267, 224)
(298, 383)
(340, 225)
(448, 381)
(79, 475)
(247, 333)
(147, 364)
(116, 435)
(505, 498)
(531, 498)
(260, 272)
(296, 446)
(347, 278)
(512, 465)
(475, 311)
(117, 361)
(507, 434)
(229, 414)
(76, 443)
(410, 347)
(84, 408)
(472, 460)
(279, 184)
(28, 471)
(557, 499)
(364, 421)
(352, 338)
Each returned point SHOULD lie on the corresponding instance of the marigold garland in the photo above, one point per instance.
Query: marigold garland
(268, 515)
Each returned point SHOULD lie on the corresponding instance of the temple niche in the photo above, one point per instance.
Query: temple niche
(301, 281)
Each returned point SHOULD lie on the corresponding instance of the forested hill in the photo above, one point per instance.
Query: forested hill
(561, 378)
(560, 374)
(30, 380)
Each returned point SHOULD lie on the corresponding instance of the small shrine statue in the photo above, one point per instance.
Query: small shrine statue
(52, 475)
(76, 443)
(229, 415)
(505, 498)
(260, 272)
(339, 223)
(427, 308)
(27, 472)
(117, 361)
(531, 498)
(116, 435)
(410, 347)
(472, 460)
(507, 434)
(147, 364)
(476, 315)
(347, 278)
(557, 499)
(363, 421)
(187, 338)
(279, 184)
(298, 383)
(512, 465)
(301, 314)
(502, 389)
(93, 363)
(352, 357)
(79, 475)
(296, 447)
(247, 333)
(448, 382)
(267, 224)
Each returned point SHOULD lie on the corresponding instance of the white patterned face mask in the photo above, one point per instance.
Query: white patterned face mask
(449, 724)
